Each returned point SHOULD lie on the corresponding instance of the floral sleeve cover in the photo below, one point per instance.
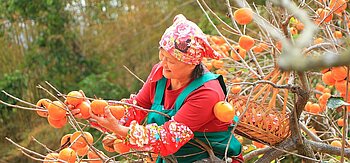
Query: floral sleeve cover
(132, 113)
(164, 140)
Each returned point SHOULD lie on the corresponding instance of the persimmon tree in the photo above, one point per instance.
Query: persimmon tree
(286, 66)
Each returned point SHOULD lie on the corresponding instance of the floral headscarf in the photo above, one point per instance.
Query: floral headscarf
(185, 41)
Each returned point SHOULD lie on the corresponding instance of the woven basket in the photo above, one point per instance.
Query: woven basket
(263, 121)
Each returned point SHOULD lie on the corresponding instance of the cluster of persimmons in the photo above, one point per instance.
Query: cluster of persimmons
(78, 143)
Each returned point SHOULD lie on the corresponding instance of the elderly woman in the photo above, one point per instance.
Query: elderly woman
(181, 87)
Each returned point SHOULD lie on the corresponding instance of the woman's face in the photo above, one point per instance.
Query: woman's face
(173, 68)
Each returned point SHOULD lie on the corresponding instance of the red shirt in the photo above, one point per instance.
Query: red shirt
(197, 109)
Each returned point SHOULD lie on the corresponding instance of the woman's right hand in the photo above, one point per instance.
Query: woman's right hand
(109, 122)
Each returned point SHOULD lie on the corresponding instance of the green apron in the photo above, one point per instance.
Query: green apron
(218, 140)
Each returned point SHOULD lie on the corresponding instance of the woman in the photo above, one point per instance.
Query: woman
(181, 87)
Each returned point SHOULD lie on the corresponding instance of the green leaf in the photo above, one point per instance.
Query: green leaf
(336, 102)
(295, 36)
(231, 69)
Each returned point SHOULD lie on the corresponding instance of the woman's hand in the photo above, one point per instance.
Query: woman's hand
(109, 122)
(76, 111)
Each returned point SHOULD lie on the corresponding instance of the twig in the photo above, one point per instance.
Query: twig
(345, 116)
(138, 107)
(247, 66)
(48, 149)
(54, 88)
(134, 74)
(20, 100)
(22, 107)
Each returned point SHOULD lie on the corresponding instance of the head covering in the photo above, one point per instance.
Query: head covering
(185, 41)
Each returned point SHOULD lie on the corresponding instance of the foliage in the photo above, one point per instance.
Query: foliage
(14, 83)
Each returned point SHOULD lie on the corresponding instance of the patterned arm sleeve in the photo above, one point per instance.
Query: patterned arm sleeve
(165, 139)
(132, 113)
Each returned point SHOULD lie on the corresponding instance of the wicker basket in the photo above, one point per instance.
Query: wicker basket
(262, 121)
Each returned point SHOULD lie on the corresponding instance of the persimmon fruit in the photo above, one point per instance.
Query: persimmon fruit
(84, 109)
(45, 104)
(224, 111)
(117, 111)
(67, 154)
(246, 42)
(98, 106)
(57, 123)
(74, 98)
(56, 110)
(78, 141)
(243, 16)
(120, 147)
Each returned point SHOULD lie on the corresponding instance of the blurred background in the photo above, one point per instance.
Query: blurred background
(78, 44)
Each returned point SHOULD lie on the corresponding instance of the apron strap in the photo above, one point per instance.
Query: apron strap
(160, 88)
(195, 84)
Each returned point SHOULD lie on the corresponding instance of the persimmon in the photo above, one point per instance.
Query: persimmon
(208, 65)
(337, 6)
(246, 42)
(308, 106)
(51, 157)
(56, 110)
(341, 86)
(74, 98)
(293, 31)
(84, 109)
(78, 141)
(257, 144)
(279, 45)
(337, 34)
(45, 104)
(240, 51)
(326, 90)
(236, 80)
(324, 14)
(299, 26)
(340, 122)
(94, 157)
(220, 41)
(243, 16)
(319, 87)
(324, 98)
(222, 72)
(339, 73)
(313, 130)
(224, 111)
(328, 79)
(217, 63)
(65, 139)
(120, 147)
(318, 40)
(336, 143)
(108, 148)
(239, 138)
(82, 151)
(315, 108)
(117, 111)
(260, 48)
(57, 123)
(98, 106)
(325, 70)
(67, 154)
(263, 46)
(236, 89)
(257, 49)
